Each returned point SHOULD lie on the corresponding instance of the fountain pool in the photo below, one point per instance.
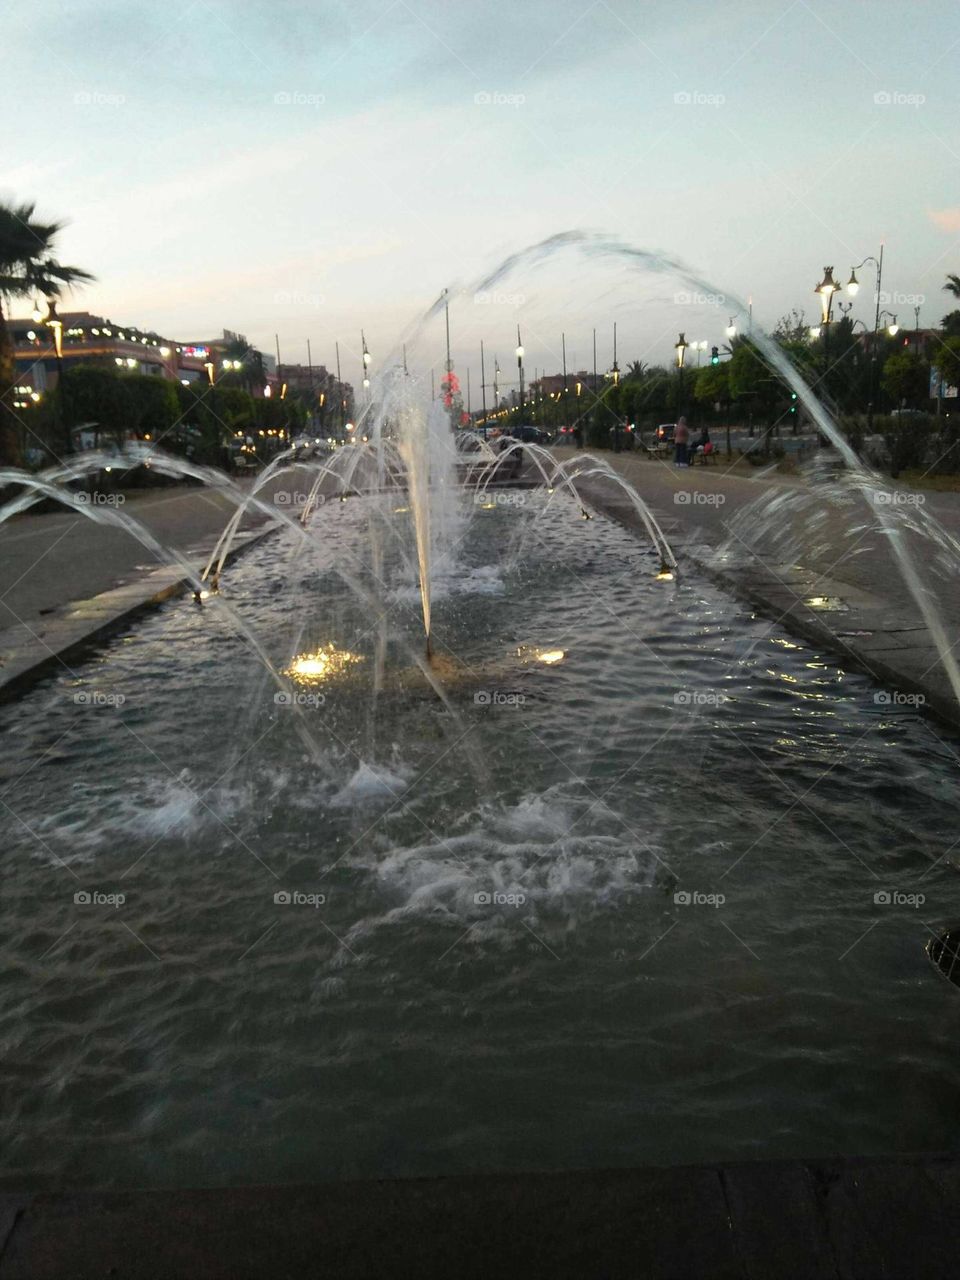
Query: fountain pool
(611, 899)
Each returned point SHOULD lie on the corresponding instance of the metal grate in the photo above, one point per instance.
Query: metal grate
(944, 951)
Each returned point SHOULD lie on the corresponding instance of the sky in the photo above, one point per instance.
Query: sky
(310, 169)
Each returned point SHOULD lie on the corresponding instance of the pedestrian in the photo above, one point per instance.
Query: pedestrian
(681, 437)
(700, 444)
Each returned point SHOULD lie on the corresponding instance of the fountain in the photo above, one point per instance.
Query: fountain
(456, 831)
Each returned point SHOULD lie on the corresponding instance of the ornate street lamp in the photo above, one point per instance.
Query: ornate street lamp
(853, 288)
(519, 354)
(826, 289)
(680, 346)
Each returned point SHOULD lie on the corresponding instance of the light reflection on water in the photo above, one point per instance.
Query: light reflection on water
(205, 1033)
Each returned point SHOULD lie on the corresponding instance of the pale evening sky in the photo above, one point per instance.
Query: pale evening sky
(308, 168)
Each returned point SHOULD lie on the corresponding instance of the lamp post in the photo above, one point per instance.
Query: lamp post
(52, 321)
(731, 329)
(483, 390)
(826, 289)
(367, 357)
(563, 348)
(520, 375)
(680, 347)
(853, 288)
(343, 398)
(892, 328)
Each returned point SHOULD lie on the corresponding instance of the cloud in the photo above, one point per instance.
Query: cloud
(946, 219)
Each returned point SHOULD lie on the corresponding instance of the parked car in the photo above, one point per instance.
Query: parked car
(664, 433)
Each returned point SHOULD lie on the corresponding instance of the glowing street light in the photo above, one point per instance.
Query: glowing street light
(731, 329)
(853, 288)
(519, 354)
(826, 289)
(680, 346)
(892, 328)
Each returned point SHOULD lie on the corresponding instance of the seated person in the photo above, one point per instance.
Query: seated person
(700, 444)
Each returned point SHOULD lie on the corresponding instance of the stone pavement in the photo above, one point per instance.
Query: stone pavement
(812, 557)
(66, 582)
(790, 1220)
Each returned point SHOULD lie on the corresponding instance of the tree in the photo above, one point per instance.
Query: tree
(906, 378)
(99, 398)
(636, 371)
(791, 328)
(712, 385)
(947, 361)
(953, 285)
(252, 374)
(27, 269)
(748, 372)
(951, 324)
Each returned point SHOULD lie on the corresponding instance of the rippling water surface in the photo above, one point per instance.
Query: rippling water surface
(521, 958)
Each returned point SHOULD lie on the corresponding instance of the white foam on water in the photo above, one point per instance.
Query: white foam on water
(371, 783)
(551, 854)
(482, 580)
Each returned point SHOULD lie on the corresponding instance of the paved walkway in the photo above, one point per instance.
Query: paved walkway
(799, 1220)
(53, 558)
(67, 582)
(816, 557)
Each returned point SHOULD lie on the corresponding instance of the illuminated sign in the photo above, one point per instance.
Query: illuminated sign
(199, 353)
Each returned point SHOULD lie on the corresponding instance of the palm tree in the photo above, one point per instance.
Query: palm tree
(636, 370)
(953, 285)
(252, 375)
(27, 269)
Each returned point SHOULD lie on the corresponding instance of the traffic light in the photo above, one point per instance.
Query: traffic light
(793, 402)
(714, 355)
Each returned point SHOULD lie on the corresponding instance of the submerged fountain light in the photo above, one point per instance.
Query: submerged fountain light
(322, 664)
(551, 656)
